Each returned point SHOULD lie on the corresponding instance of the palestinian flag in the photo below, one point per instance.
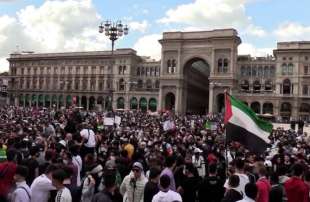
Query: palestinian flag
(242, 125)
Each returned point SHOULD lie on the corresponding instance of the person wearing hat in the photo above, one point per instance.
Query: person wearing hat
(22, 193)
(199, 162)
(132, 187)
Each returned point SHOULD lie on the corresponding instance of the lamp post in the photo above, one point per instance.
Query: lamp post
(113, 30)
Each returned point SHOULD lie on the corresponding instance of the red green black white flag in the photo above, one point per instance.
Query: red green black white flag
(244, 126)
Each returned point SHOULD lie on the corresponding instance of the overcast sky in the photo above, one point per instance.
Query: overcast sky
(72, 25)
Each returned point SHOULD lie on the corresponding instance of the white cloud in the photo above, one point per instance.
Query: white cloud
(250, 49)
(55, 26)
(139, 26)
(213, 14)
(255, 31)
(149, 46)
(292, 31)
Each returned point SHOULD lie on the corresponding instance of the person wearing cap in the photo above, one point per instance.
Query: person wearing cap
(132, 187)
(199, 162)
(22, 193)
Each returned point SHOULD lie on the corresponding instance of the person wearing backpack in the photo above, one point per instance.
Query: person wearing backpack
(22, 193)
(7, 172)
(88, 143)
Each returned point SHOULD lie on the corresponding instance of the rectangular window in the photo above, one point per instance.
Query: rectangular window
(305, 90)
(306, 70)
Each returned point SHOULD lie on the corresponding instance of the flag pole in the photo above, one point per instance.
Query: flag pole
(226, 143)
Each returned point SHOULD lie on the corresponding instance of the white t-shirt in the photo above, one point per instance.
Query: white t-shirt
(40, 188)
(77, 161)
(244, 179)
(89, 136)
(63, 195)
(168, 196)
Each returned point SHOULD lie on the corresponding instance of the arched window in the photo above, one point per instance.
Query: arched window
(290, 69)
(140, 84)
(255, 106)
(120, 70)
(220, 65)
(272, 71)
(149, 84)
(256, 85)
(286, 86)
(249, 71)
(225, 67)
(243, 71)
(121, 85)
(268, 85)
(142, 71)
(305, 90)
(266, 71)
(168, 66)
(174, 66)
(157, 84)
(138, 71)
(245, 85)
(260, 71)
(284, 69)
(254, 71)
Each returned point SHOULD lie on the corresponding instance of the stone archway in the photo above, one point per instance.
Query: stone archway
(196, 79)
(220, 101)
(170, 101)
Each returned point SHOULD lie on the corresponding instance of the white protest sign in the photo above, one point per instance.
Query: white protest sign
(108, 121)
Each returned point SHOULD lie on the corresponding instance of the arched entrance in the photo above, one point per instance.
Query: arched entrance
(61, 101)
(152, 104)
(68, 100)
(84, 102)
(54, 100)
(92, 103)
(47, 101)
(143, 104)
(285, 111)
(196, 78)
(34, 100)
(133, 103)
(100, 102)
(120, 103)
(267, 108)
(41, 100)
(255, 106)
(170, 102)
(220, 101)
(304, 111)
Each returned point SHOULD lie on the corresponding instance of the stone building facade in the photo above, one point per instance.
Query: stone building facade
(194, 70)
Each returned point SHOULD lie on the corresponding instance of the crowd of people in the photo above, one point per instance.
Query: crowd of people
(73, 155)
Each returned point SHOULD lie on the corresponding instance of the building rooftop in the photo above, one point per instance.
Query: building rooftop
(125, 51)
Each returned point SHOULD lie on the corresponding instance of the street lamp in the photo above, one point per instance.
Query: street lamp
(113, 30)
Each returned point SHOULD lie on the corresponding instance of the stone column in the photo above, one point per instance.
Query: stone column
(160, 100)
(178, 104)
(87, 103)
(16, 101)
(261, 108)
(80, 101)
(211, 98)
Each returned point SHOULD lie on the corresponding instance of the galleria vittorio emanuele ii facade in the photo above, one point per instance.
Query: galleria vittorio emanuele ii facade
(194, 70)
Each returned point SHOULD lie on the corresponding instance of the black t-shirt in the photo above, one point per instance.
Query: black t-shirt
(32, 165)
(150, 190)
(190, 187)
(211, 189)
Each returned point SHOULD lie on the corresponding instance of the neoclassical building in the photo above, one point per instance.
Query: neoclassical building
(194, 70)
